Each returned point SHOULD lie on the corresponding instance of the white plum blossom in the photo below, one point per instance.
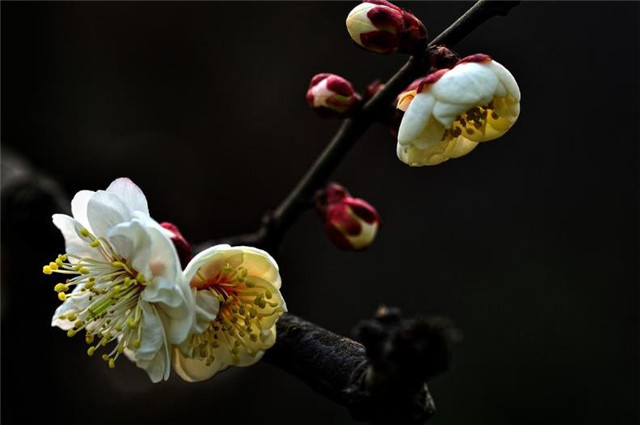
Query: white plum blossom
(452, 110)
(125, 280)
(238, 302)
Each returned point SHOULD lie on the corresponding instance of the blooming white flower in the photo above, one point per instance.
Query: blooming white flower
(453, 110)
(127, 282)
(238, 301)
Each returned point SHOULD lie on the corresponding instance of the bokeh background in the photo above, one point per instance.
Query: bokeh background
(530, 243)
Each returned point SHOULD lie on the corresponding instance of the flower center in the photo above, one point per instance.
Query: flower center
(105, 301)
(248, 308)
(472, 123)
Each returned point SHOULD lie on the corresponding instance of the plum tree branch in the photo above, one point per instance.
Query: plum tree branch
(382, 379)
(276, 223)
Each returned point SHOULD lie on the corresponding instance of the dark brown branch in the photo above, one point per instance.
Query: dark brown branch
(276, 224)
(381, 380)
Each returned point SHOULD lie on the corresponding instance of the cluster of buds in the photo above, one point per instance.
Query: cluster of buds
(331, 96)
(383, 27)
(351, 223)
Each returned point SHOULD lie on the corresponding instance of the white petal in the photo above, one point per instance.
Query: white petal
(76, 302)
(420, 157)
(216, 253)
(133, 242)
(445, 113)
(104, 211)
(73, 240)
(260, 264)
(79, 207)
(245, 359)
(505, 78)
(197, 370)
(176, 303)
(153, 355)
(431, 134)
(501, 91)
(206, 310)
(269, 319)
(130, 194)
(459, 147)
(467, 84)
(415, 118)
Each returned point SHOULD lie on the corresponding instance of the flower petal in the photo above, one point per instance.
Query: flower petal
(153, 355)
(130, 194)
(202, 258)
(150, 251)
(468, 84)
(415, 118)
(192, 370)
(431, 134)
(459, 146)
(133, 242)
(206, 310)
(445, 113)
(176, 302)
(74, 242)
(79, 207)
(260, 264)
(104, 211)
(75, 302)
(505, 78)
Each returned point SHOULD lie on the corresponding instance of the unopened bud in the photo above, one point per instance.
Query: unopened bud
(382, 27)
(351, 223)
(331, 96)
(182, 246)
(441, 57)
(372, 89)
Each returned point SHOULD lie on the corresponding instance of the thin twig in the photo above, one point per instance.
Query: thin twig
(276, 224)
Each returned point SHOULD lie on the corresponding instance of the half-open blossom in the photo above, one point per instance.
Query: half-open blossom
(452, 110)
(351, 223)
(238, 301)
(382, 27)
(331, 96)
(124, 277)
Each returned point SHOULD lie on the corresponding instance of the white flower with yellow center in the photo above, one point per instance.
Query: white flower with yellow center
(454, 109)
(126, 283)
(238, 301)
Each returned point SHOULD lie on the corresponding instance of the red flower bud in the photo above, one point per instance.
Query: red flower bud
(441, 57)
(372, 89)
(383, 27)
(351, 223)
(331, 96)
(182, 246)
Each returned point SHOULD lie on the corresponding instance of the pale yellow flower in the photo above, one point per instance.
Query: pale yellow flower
(453, 110)
(238, 301)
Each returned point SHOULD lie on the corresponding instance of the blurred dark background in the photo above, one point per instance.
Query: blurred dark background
(530, 243)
